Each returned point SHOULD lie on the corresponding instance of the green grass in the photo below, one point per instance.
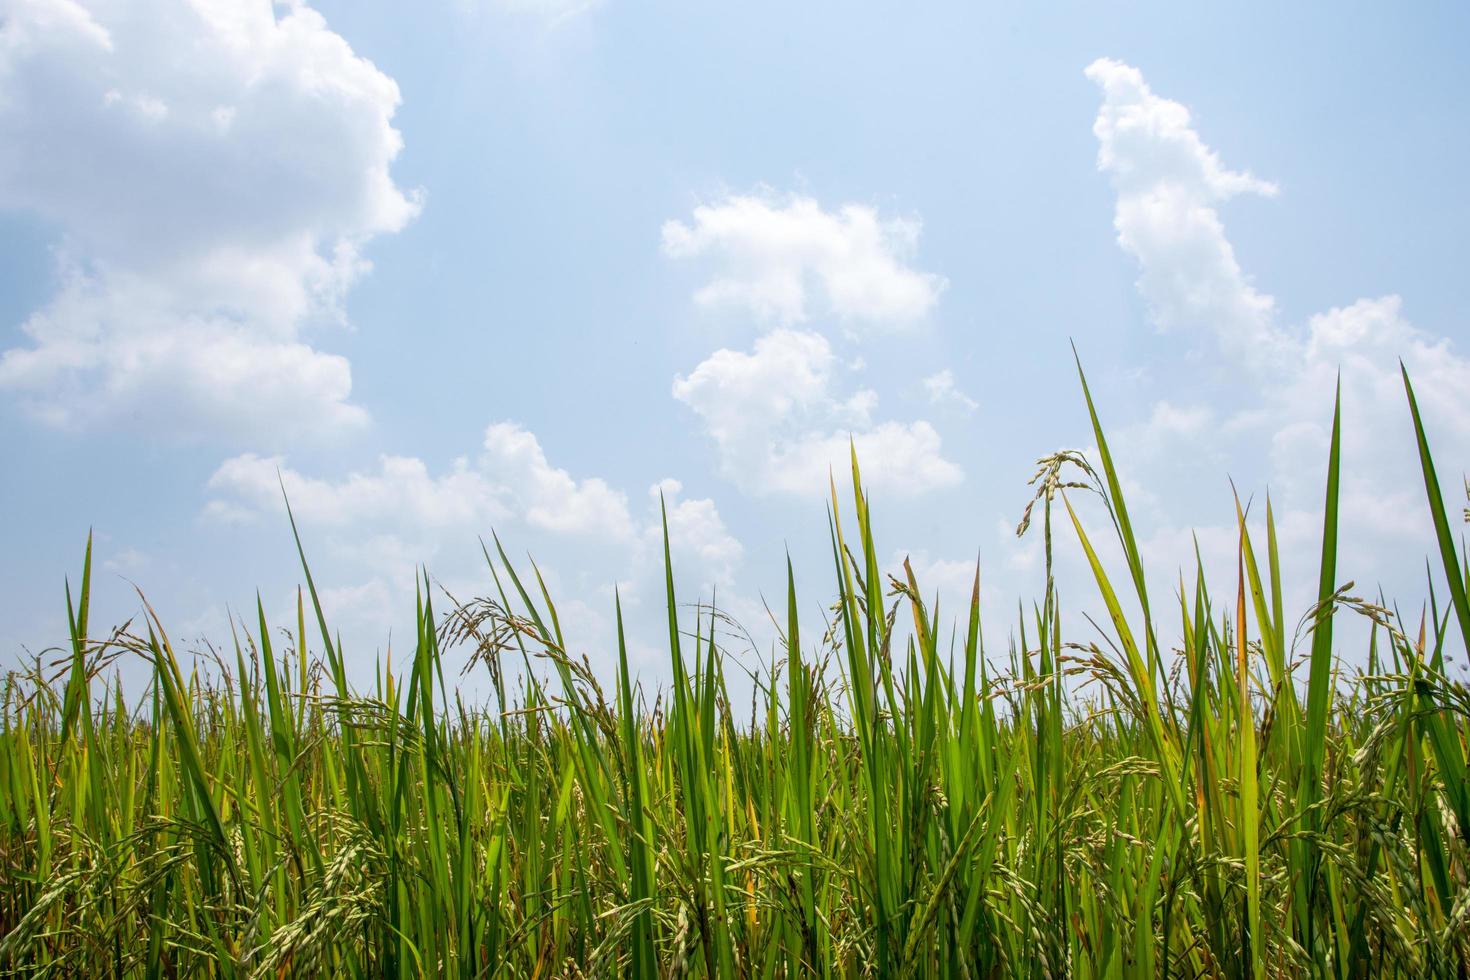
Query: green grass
(896, 803)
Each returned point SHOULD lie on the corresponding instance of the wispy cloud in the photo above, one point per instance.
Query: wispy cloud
(941, 389)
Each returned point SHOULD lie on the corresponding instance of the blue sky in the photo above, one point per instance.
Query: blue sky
(520, 265)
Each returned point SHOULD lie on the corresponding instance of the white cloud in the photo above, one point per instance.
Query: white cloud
(941, 389)
(214, 170)
(779, 427)
(786, 260)
(1168, 183)
(400, 513)
(775, 413)
(128, 561)
(698, 537)
(511, 478)
(549, 497)
(1276, 390)
(369, 604)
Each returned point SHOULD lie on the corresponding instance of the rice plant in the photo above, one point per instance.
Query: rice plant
(1200, 788)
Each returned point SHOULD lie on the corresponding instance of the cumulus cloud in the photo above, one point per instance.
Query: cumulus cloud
(548, 496)
(698, 536)
(368, 531)
(1168, 184)
(785, 260)
(1276, 398)
(779, 424)
(776, 413)
(941, 389)
(511, 478)
(214, 170)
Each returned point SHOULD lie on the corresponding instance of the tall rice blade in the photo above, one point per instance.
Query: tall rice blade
(1119, 510)
(283, 741)
(799, 816)
(1166, 752)
(1319, 692)
(1453, 568)
(974, 654)
(590, 763)
(1290, 724)
(78, 703)
(641, 843)
(701, 816)
(1445, 742)
(862, 647)
(77, 695)
(263, 854)
(351, 759)
(191, 759)
(1249, 820)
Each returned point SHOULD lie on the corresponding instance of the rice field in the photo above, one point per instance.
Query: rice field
(1206, 786)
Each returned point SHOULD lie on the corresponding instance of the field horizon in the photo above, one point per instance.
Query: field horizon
(1231, 799)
